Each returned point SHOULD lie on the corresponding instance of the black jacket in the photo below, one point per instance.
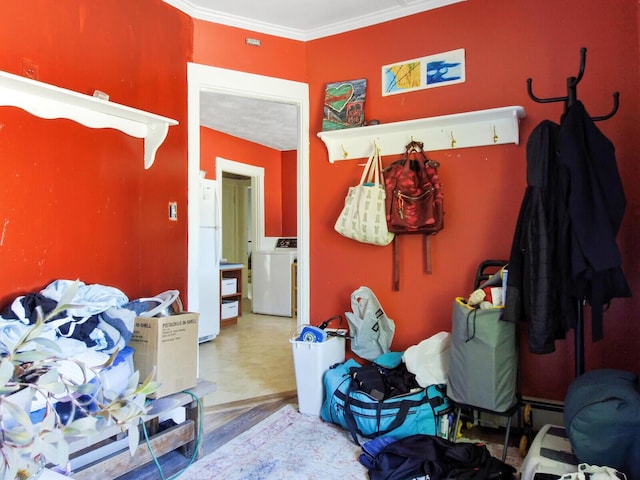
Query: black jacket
(595, 203)
(530, 283)
(564, 247)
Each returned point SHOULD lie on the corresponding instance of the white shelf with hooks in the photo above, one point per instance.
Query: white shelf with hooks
(494, 126)
(48, 101)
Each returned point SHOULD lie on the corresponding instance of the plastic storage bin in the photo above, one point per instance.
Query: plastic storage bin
(550, 455)
(311, 360)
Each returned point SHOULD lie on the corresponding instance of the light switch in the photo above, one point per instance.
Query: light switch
(173, 211)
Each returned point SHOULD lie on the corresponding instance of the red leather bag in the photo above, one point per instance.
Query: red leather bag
(414, 202)
(413, 193)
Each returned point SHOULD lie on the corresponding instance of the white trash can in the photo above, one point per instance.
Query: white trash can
(311, 360)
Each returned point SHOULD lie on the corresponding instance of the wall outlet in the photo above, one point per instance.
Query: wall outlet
(173, 211)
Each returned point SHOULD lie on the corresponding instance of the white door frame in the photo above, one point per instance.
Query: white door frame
(231, 82)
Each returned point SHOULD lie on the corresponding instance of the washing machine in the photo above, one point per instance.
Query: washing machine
(272, 279)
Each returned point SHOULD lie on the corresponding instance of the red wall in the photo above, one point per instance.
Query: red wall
(483, 187)
(77, 202)
(217, 144)
(225, 47)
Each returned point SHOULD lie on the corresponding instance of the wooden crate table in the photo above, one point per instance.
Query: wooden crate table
(108, 454)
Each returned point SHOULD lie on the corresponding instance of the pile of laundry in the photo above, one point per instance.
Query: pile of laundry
(101, 317)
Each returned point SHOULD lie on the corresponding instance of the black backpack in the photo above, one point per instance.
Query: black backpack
(382, 382)
(433, 457)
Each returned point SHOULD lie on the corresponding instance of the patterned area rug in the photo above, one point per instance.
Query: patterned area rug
(288, 445)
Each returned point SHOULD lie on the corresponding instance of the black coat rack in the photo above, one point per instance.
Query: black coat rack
(569, 100)
(572, 92)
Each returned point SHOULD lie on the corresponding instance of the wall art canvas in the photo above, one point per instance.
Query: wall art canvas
(437, 70)
(344, 104)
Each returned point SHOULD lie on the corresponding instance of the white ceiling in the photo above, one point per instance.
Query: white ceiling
(270, 123)
(267, 123)
(303, 19)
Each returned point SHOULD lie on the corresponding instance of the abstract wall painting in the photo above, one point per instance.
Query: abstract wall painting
(344, 104)
(437, 70)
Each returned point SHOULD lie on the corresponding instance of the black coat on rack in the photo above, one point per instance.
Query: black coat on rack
(564, 251)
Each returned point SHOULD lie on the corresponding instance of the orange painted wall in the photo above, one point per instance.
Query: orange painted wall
(505, 43)
(225, 47)
(77, 202)
(217, 144)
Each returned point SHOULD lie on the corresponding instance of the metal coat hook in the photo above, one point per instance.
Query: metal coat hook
(495, 135)
(345, 154)
(572, 94)
(453, 140)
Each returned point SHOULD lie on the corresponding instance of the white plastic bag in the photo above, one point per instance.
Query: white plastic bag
(594, 472)
(370, 328)
(429, 360)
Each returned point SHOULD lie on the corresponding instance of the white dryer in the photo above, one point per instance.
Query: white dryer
(272, 279)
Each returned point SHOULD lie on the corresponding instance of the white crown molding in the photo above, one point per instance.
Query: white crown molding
(402, 10)
(377, 17)
(214, 16)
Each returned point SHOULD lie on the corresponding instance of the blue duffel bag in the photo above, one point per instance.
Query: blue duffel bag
(364, 414)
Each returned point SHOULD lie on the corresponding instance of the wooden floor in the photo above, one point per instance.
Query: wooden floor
(221, 424)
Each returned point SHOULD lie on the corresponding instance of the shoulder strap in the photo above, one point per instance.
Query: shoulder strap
(348, 414)
(396, 264)
(426, 258)
(426, 254)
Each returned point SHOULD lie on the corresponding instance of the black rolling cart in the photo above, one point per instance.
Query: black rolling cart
(483, 369)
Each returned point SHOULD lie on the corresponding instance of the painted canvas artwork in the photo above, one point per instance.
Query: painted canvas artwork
(438, 70)
(445, 68)
(402, 77)
(344, 104)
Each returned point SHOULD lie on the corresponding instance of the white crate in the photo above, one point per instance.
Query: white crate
(229, 286)
(550, 453)
(229, 309)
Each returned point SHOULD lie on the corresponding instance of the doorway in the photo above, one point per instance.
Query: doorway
(205, 78)
(245, 217)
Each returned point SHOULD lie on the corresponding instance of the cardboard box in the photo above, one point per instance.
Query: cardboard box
(229, 309)
(170, 344)
(229, 286)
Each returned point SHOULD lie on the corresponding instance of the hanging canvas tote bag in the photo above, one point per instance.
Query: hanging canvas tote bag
(363, 217)
(370, 329)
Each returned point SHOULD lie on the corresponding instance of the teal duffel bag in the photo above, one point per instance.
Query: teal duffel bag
(361, 413)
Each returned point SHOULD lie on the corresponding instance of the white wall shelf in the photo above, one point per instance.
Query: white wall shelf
(48, 101)
(460, 130)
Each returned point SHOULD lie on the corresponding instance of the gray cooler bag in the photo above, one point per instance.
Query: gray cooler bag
(484, 359)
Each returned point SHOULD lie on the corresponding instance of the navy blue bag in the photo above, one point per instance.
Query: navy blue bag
(362, 414)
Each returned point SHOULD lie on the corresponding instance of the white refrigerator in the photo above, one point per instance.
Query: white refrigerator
(209, 262)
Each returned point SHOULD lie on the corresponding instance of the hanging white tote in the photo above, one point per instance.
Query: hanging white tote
(363, 217)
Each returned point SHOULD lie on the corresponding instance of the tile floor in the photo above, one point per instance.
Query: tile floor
(251, 359)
